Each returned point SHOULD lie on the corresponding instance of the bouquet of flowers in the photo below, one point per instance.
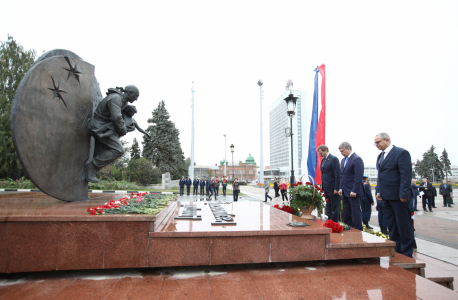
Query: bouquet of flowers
(336, 227)
(285, 208)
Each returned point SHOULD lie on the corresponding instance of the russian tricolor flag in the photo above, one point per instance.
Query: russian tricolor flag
(317, 128)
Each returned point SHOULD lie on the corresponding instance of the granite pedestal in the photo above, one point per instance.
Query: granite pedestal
(39, 233)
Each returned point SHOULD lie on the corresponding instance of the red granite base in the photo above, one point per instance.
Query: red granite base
(44, 234)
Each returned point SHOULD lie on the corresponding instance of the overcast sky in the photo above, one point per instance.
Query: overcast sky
(391, 66)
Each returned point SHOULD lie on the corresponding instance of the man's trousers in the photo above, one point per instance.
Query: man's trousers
(397, 214)
(333, 206)
(352, 212)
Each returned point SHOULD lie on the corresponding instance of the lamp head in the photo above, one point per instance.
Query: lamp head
(291, 105)
(232, 148)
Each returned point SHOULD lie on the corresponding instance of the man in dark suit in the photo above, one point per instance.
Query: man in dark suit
(351, 186)
(330, 182)
(445, 190)
(416, 193)
(427, 189)
(394, 167)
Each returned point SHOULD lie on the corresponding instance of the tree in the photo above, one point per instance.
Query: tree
(143, 172)
(447, 166)
(118, 169)
(430, 166)
(164, 149)
(14, 64)
(135, 151)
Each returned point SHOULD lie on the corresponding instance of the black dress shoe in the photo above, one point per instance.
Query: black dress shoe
(425, 210)
(434, 207)
(430, 210)
(444, 206)
(416, 209)
(369, 226)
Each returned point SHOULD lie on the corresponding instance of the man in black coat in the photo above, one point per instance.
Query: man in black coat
(427, 189)
(446, 190)
(330, 182)
(416, 193)
(394, 167)
(433, 202)
(208, 186)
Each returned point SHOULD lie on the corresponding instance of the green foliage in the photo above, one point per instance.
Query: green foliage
(135, 151)
(447, 166)
(14, 64)
(306, 195)
(21, 183)
(143, 172)
(114, 185)
(164, 149)
(429, 164)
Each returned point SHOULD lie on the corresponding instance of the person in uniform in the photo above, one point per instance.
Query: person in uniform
(195, 183)
(202, 186)
(188, 185)
(109, 148)
(366, 201)
(182, 183)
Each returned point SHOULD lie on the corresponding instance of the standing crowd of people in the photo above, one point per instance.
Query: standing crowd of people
(209, 187)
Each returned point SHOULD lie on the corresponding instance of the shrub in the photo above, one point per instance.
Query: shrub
(21, 183)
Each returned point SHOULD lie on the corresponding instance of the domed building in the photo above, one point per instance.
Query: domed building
(245, 171)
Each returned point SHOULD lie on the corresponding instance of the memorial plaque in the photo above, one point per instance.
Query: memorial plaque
(221, 216)
(49, 116)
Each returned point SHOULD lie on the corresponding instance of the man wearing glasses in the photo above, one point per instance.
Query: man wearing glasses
(394, 167)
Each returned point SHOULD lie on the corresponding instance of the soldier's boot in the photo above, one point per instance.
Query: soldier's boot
(90, 173)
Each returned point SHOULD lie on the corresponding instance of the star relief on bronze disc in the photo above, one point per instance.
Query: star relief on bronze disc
(57, 91)
(72, 70)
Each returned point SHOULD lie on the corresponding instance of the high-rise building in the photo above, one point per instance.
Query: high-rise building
(280, 145)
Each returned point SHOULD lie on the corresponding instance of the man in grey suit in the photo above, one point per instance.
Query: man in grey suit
(330, 181)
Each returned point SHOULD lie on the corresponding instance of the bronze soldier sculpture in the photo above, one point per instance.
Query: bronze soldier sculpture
(108, 148)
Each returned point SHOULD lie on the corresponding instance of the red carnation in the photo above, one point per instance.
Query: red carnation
(327, 200)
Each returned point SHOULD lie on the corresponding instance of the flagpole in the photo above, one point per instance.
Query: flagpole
(192, 135)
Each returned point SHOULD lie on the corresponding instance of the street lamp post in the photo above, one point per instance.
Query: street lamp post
(261, 158)
(225, 135)
(233, 174)
(290, 110)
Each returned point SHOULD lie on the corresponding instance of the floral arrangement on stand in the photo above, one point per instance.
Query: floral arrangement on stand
(286, 208)
(336, 227)
(308, 195)
(138, 203)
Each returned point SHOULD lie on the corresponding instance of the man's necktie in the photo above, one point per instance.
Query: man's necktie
(345, 163)
(382, 157)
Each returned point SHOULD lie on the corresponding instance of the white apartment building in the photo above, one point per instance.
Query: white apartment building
(280, 145)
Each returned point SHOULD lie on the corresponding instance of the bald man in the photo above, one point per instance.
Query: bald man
(109, 148)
